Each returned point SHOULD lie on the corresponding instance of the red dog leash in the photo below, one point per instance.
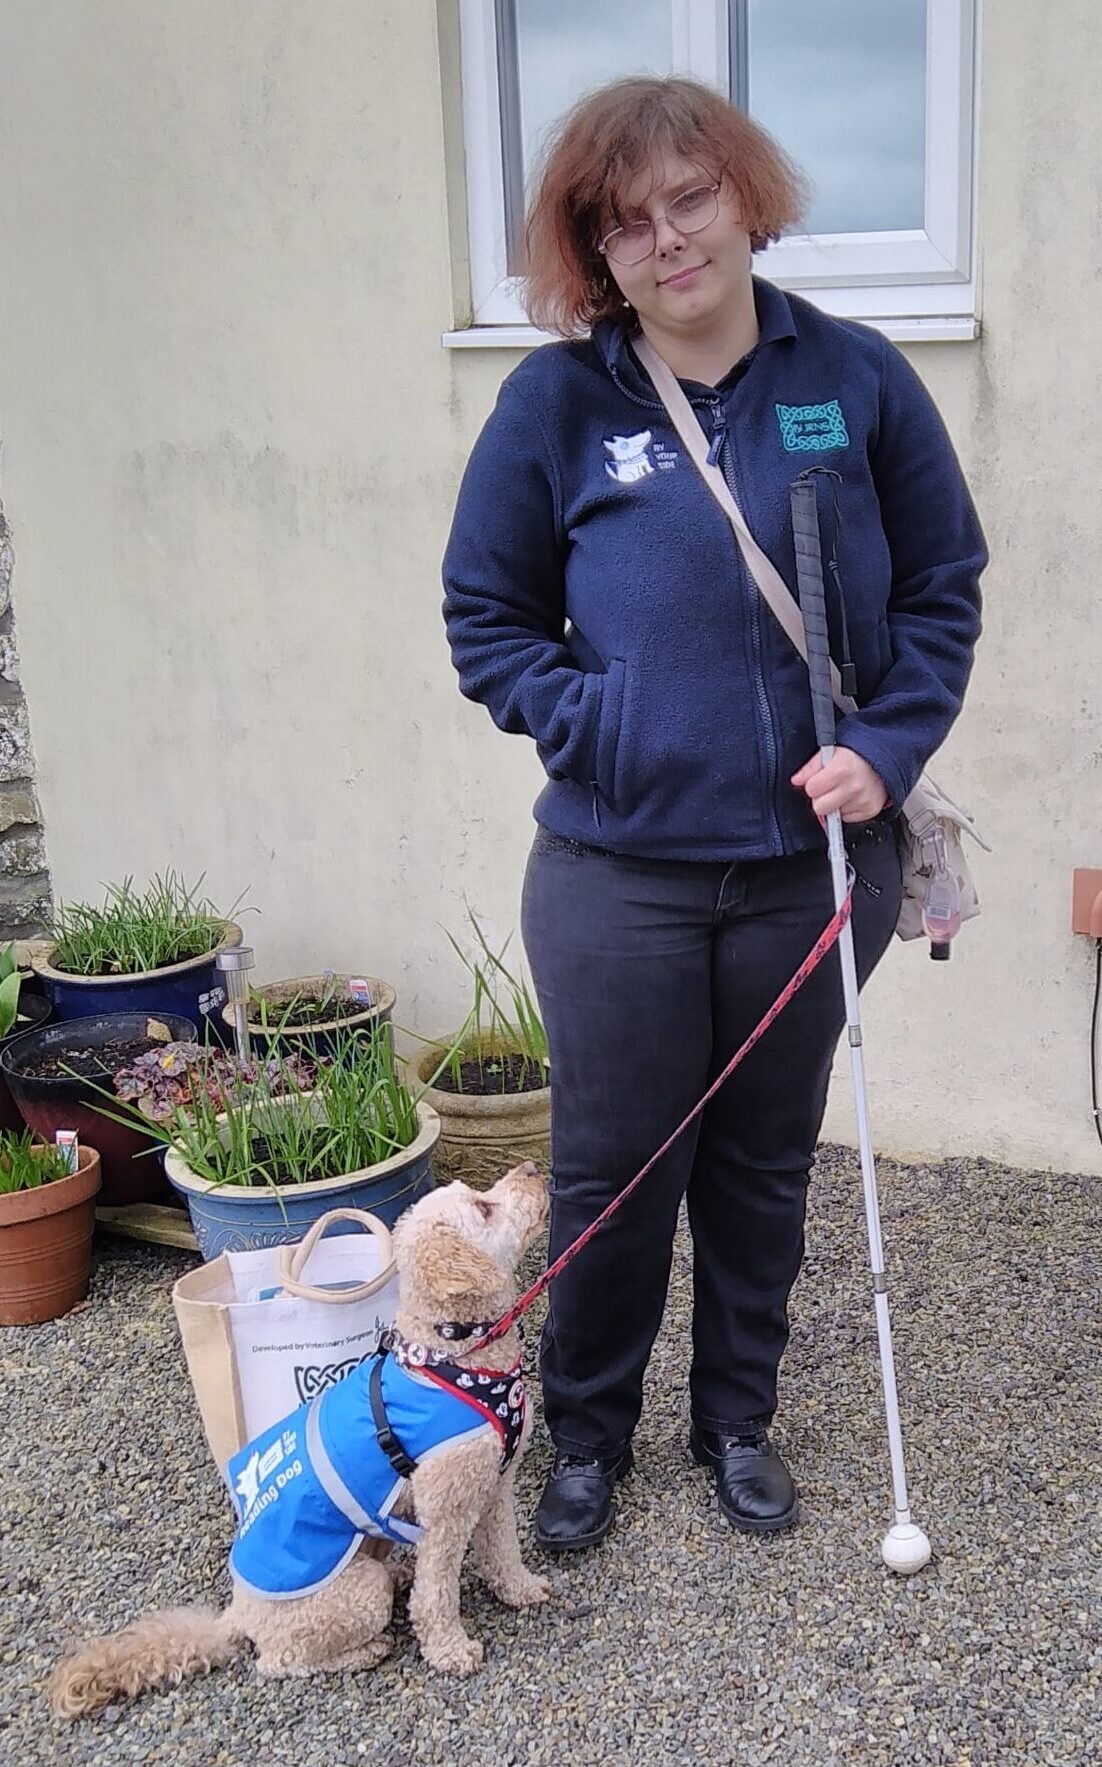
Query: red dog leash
(827, 939)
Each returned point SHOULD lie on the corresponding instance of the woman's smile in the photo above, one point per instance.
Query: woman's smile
(683, 278)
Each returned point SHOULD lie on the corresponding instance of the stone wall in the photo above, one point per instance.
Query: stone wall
(24, 874)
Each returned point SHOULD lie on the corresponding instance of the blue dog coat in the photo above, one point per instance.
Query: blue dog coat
(308, 1490)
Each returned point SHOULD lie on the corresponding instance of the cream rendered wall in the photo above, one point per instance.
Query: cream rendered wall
(232, 440)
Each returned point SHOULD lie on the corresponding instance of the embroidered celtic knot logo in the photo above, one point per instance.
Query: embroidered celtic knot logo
(807, 428)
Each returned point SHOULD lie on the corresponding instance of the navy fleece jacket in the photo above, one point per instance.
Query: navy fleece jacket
(596, 599)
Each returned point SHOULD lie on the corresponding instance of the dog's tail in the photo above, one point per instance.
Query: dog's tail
(160, 1650)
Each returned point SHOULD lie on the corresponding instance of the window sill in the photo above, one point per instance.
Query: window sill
(930, 328)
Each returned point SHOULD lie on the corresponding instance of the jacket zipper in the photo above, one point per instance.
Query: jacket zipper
(720, 454)
(648, 405)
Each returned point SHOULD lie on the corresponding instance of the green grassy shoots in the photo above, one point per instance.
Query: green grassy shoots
(133, 931)
(504, 1019)
(25, 1163)
(270, 1130)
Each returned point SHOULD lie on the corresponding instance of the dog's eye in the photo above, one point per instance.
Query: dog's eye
(484, 1207)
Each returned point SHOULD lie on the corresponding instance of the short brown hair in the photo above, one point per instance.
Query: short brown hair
(605, 142)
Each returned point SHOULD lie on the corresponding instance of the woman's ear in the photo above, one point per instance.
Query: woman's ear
(448, 1268)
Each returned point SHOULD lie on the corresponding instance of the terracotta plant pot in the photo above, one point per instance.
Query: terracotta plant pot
(131, 1172)
(317, 1038)
(46, 1245)
(483, 1135)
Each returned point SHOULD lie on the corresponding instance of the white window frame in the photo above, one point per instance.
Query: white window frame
(912, 284)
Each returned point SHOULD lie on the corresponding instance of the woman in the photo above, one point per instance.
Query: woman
(597, 602)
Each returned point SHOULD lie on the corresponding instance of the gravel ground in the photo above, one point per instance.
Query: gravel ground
(679, 1641)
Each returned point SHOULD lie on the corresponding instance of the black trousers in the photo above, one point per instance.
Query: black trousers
(649, 974)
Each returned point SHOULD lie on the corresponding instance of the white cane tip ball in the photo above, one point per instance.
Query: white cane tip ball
(905, 1549)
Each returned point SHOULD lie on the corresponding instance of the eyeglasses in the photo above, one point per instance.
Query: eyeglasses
(688, 213)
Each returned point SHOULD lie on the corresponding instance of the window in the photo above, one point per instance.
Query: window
(874, 101)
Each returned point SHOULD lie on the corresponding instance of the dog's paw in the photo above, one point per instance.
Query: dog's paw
(456, 1655)
(525, 1591)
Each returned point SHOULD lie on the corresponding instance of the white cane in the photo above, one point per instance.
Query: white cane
(905, 1547)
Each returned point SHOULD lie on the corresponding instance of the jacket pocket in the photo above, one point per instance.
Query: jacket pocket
(608, 774)
(884, 654)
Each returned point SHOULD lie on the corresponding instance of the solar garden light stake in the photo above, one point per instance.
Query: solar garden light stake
(234, 963)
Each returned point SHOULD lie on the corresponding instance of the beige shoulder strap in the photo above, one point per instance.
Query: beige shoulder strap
(774, 590)
(772, 586)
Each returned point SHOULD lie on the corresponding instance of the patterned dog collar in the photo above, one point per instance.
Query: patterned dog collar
(411, 1355)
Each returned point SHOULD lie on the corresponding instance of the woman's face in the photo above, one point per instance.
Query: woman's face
(690, 275)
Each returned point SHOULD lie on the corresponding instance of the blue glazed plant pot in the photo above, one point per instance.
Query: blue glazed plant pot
(194, 989)
(238, 1217)
(320, 1037)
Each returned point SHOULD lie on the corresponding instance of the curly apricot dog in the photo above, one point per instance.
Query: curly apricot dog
(457, 1251)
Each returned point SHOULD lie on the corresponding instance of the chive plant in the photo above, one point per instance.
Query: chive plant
(132, 931)
(504, 1020)
(303, 1008)
(25, 1163)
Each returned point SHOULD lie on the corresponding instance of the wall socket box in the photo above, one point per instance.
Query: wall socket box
(1086, 892)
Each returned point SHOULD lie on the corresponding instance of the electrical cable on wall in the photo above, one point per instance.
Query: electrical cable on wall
(1086, 917)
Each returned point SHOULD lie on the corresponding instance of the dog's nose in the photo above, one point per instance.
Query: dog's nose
(528, 1174)
(527, 1179)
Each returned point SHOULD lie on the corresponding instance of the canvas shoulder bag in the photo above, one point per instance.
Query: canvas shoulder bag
(261, 1339)
(930, 824)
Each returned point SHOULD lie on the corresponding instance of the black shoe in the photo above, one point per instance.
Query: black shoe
(576, 1508)
(754, 1487)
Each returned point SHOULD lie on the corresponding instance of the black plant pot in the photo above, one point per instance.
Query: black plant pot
(35, 1010)
(132, 1168)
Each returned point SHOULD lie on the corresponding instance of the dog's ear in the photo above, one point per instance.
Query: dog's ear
(449, 1268)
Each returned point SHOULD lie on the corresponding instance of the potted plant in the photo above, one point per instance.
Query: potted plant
(57, 1076)
(490, 1087)
(175, 1077)
(259, 1158)
(47, 1215)
(310, 1013)
(20, 1011)
(152, 952)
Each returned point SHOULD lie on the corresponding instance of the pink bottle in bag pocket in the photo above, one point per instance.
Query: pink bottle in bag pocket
(941, 909)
